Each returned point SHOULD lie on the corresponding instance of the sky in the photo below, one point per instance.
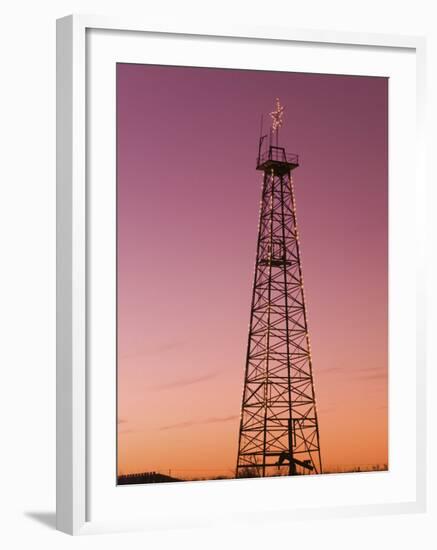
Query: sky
(188, 200)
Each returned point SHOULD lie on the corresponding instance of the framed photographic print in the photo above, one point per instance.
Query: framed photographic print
(239, 275)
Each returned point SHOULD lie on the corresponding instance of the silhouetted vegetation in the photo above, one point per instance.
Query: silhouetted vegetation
(248, 472)
(145, 477)
(244, 473)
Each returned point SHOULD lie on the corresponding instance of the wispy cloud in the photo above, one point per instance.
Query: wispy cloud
(210, 420)
(364, 373)
(326, 410)
(328, 370)
(371, 373)
(374, 376)
(186, 381)
(152, 351)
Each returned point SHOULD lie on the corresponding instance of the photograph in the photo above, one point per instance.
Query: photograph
(252, 273)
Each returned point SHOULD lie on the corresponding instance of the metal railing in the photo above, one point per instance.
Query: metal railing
(277, 154)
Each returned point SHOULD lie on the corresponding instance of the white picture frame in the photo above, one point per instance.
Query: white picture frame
(74, 463)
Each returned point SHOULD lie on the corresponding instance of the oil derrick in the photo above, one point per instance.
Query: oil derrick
(278, 424)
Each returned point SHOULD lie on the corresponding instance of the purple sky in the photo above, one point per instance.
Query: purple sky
(188, 199)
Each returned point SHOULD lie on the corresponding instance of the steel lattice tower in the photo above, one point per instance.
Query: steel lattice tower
(278, 414)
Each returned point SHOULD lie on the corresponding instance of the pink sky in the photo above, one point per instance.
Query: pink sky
(188, 198)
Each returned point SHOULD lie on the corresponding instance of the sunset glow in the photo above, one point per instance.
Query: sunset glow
(188, 200)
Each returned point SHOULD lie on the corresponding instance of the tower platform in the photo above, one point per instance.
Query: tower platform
(276, 159)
